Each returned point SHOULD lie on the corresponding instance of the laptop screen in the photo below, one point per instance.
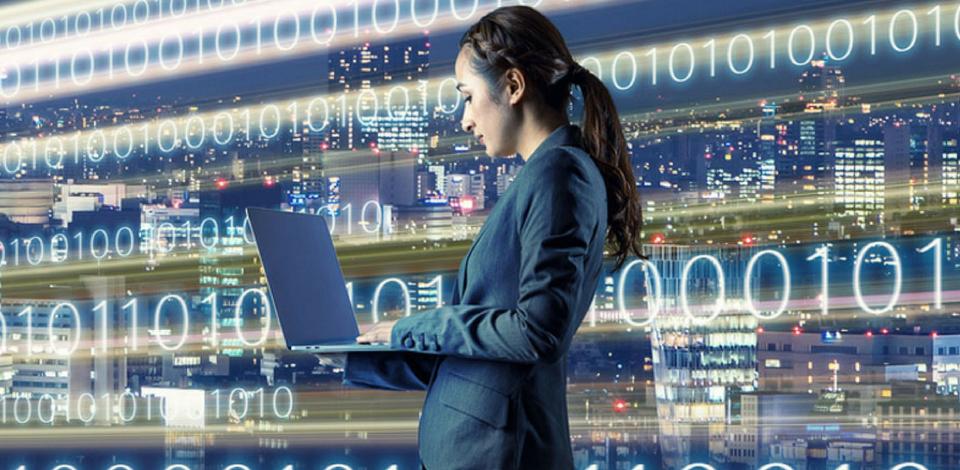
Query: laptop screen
(304, 277)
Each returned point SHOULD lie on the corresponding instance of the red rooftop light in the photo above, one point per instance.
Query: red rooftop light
(619, 405)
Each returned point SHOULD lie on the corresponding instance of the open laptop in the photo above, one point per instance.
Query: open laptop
(306, 284)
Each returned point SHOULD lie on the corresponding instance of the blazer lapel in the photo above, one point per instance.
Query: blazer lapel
(462, 275)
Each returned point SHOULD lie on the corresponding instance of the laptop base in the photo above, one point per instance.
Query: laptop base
(336, 348)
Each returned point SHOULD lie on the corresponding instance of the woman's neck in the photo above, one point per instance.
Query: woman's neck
(533, 132)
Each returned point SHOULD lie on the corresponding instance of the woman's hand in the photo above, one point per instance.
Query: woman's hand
(378, 333)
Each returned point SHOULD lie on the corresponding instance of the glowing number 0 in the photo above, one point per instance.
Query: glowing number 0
(236, 317)
(898, 273)
(654, 304)
(376, 296)
(748, 286)
(186, 322)
(721, 294)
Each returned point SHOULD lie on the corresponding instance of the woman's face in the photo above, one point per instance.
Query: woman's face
(487, 119)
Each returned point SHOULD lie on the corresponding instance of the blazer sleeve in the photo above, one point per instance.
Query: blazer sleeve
(556, 218)
(389, 370)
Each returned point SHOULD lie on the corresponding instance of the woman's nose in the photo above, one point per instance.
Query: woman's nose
(467, 126)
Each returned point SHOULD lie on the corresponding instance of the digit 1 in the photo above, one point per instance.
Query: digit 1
(652, 53)
(186, 225)
(29, 313)
(822, 253)
(872, 21)
(212, 300)
(937, 246)
(102, 309)
(132, 305)
(216, 395)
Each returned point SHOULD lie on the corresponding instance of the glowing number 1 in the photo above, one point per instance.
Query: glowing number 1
(3, 333)
(772, 34)
(712, 46)
(132, 305)
(438, 281)
(821, 253)
(212, 300)
(349, 210)
(872, 21)
(652, 53)
(102, 308)
(29, 313)
(936, 244)
(937, 28)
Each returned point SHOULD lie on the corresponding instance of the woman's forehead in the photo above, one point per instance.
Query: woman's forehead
(463, 71)
(460, 68)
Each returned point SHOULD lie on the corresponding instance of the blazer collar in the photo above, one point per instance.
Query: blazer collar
(567, 134)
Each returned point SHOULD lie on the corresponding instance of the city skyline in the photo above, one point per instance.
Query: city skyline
(798, 305)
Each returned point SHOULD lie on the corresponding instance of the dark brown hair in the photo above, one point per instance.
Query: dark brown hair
(521, 37)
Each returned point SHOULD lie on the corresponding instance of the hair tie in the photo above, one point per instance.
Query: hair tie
(577, 73)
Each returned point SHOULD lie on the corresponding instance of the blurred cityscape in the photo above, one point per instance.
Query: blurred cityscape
(820, 225)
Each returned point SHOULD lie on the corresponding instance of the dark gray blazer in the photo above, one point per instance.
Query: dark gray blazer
(494, 361)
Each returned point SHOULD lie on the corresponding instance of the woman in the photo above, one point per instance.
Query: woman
(494, 361)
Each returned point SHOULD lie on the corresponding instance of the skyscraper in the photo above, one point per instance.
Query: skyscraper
(698, 367)
(951, 170)
(380, 89)
(914, 166)
(373, 152)
(859, 180)
(805, 171)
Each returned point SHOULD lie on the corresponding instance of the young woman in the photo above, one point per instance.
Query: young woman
(493, 362)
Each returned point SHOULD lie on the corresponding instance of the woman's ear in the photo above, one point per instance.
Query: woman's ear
(516, 85)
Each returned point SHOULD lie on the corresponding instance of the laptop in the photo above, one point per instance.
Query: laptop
(305, 282)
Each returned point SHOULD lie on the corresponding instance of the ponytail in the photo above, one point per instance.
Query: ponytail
(604, 141)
